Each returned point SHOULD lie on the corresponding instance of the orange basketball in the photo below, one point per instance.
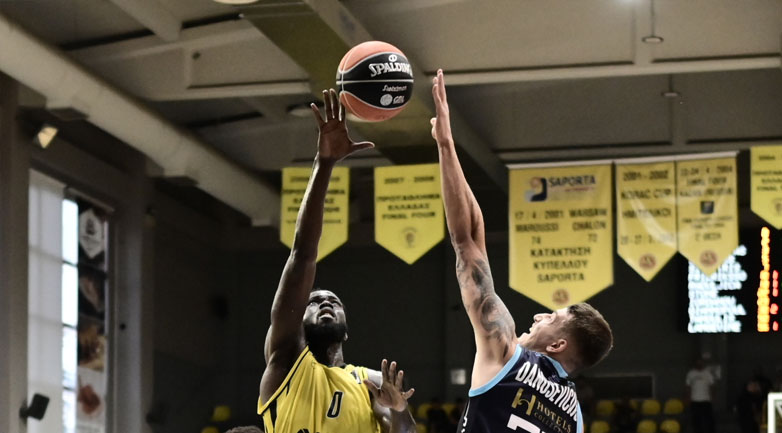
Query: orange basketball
(374, 80)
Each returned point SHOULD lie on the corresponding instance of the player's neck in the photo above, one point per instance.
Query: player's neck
(567, 364)
(328, 354)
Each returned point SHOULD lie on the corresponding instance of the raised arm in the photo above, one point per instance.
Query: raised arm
(493, 325)
(285, 339)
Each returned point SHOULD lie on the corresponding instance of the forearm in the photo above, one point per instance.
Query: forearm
(462, 213)
(309, 224)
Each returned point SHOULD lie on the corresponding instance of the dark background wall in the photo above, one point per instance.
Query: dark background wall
(410, 313)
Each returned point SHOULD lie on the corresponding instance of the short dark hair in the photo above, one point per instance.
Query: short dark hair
(245, 429)
(592, 334)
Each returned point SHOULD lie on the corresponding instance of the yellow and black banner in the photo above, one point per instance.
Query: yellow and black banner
(707, 210)
(646, 215)
(335, 212)
(561, 246)
(409, 217)
(766, 183)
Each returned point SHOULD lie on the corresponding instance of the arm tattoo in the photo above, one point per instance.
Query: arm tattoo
(494, 317)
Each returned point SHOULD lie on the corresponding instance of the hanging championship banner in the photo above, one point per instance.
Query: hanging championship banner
(335, 212)
(408, 209)
(766, 183)
(561, 249)
(707, 210)
(646, 215)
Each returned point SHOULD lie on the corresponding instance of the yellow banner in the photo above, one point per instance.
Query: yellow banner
(408, 209)
(561, 249)
(766, 184)
(707, 211)
(646, 215)
(335, 212)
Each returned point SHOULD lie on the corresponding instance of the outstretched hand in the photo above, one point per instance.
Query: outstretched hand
(390, 394)
(441, 124)
(333, 141)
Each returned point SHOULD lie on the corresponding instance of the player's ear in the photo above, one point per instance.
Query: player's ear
(558, 346)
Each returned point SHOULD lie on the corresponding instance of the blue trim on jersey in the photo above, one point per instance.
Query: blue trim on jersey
(508, 365)
(558, 366)
(580, 424)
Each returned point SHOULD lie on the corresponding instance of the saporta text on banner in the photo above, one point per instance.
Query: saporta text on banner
(561, 242)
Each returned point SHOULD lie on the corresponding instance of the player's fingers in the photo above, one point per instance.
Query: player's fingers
(327, 104)
(392, 373)
(384, 369)
(363, 145)
(441, 84)
(400, 377)
(316, 113)
(341, 109)
(334, 103)
(409, 393)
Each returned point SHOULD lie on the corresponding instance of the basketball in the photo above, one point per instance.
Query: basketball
(375, 81)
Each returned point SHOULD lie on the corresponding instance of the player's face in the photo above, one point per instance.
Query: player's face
(324, 309)
(546, 329)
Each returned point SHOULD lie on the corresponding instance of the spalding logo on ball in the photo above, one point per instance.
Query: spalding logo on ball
(375, 81)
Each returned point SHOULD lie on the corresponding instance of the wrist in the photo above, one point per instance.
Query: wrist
(324, 161)
(400, 410)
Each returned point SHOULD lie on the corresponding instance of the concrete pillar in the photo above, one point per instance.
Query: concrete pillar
(14, 184)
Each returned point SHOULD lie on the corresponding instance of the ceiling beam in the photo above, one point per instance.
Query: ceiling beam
(575, 72)
(153, 16)
(586, 152)
(317, 33)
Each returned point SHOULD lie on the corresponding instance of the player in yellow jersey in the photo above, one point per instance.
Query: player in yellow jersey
(307, 387)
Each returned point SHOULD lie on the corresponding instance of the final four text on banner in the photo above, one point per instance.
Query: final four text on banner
(646, 214)
(561, 246)
(766, 183)
(335, 213)
(408, 209)
(707, 209)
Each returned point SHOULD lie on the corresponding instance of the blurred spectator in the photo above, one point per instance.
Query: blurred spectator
(763, 381)
(749, 407)
(436, 418)
(626, 417)
(454, 417)
(699, 381)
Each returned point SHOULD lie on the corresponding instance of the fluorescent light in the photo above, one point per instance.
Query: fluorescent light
(45, 135)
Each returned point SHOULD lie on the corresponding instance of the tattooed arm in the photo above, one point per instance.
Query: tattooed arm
(492, 323)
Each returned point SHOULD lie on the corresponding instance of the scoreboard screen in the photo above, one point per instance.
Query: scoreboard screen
(744, 294)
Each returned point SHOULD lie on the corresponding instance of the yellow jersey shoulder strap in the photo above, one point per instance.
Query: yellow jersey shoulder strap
(262, 407)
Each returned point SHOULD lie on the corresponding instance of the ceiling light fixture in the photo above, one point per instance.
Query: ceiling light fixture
(236, 2)
(670, 93)
(652, 38)
(45, 135)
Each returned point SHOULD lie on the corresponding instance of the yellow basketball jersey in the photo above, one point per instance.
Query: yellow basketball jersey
(315, 398)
